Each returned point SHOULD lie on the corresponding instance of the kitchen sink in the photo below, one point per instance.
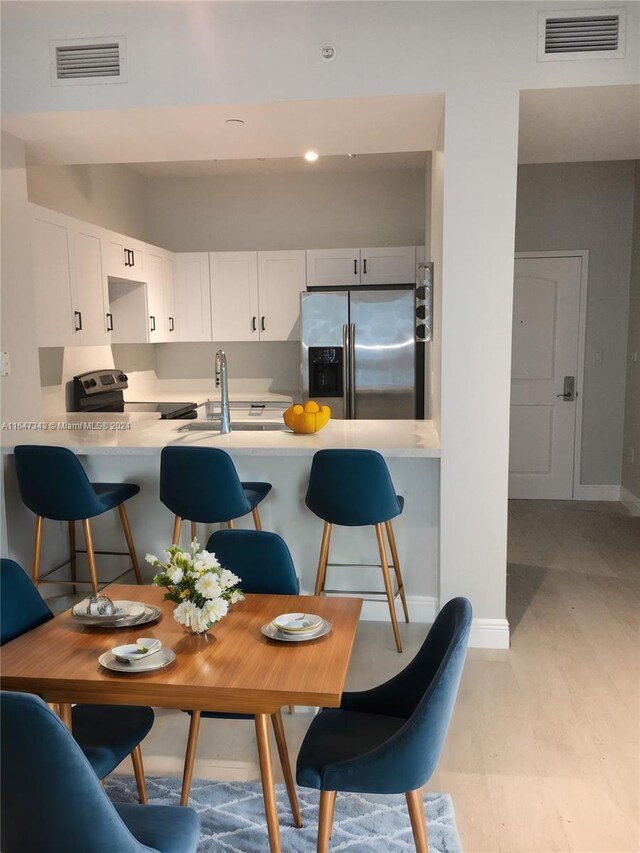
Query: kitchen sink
(243, 426)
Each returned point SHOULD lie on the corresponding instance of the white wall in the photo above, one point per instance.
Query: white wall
(631, 470)
(589, 206)
(301, 210)
(112, 196)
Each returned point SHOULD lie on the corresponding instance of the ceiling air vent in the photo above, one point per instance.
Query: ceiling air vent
(88, 61)
(592, 34)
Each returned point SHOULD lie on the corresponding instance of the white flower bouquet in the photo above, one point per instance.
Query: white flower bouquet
(198, 584)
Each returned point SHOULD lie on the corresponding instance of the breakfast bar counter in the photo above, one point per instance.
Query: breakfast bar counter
(123, 448)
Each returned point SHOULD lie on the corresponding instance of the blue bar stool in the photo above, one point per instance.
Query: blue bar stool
(53, 484)
(201, 484)
(353, 488)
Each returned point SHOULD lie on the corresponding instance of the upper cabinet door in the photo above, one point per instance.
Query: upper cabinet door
(168, 325)
(155, 300)
(192, 297)
(90, 286)
(281, 279)
(333, 267)
(123, 258)
(395, 265)
(234, 296)
(51, 256)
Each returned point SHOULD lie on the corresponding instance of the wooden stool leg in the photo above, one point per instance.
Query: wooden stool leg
(325, 819)
(138, 769)
(283, 752)
(321, 575)
(194, 530)
(230, 524)
(37, 551)
(387, 585)
(396, 565)
(177, 524)
(190, 757)
(124, 520)
(415, 804)
(91, 557)
(268, 786)
(72, 550)
(256, 518)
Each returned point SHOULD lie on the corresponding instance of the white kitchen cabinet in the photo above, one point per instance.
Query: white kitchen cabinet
(281, 279)
(155, 297)
(168, 326)
(234, 296)
(124, 258)
(333, 267)
(51, 264)
(69, 282)
(395, 265)
(361, 267)
(255, 296)
(192, 297)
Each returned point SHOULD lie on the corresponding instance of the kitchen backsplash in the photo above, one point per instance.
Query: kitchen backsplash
(265, 366)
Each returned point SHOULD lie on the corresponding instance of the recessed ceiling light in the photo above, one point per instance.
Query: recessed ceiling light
(236, 121)
(261, 159)
(311, 156)
(352, 155)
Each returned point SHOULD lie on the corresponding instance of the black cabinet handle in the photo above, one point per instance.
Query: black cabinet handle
(262, 325)
(78, 315)
(253, 324)
(364, 270)
(153, 322)
(355, 266)
(109, 322)
(126, 258)
(172, 325)
(129, 258)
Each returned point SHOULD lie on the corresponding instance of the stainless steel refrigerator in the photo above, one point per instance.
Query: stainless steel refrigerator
(360, 355)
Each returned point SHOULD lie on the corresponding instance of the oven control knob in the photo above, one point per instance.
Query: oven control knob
(86, 383)
(93, 383)
(123, 377)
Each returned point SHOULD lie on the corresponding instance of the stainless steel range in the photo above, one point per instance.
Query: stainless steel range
(103, 391)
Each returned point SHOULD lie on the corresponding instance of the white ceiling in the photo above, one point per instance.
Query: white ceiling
(556, 125)
(272, 130)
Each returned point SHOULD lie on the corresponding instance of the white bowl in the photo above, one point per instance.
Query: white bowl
(133, 652)
(297, 623)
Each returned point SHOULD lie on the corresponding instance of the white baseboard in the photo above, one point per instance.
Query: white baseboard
(489, 634)
(596, 493)
(631, 501)
(423, 609)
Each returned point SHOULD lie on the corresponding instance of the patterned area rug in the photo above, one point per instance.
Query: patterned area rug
(232, 818)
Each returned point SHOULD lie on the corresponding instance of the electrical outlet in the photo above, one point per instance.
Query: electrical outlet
(597, 356)
(5, 367)
(632, 455)
(634, 356)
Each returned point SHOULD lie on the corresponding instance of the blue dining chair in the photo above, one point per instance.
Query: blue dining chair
(52, 801)
(263, 563)
(53, 484)
(388, 740)
(106, 733)
(353, 488)
(201, 484)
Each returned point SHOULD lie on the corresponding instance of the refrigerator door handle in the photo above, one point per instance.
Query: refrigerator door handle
(345, 371)
(352, 371)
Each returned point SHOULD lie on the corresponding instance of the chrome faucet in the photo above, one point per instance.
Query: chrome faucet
(222, 381)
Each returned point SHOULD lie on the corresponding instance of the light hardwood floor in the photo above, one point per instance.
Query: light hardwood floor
(542, 753)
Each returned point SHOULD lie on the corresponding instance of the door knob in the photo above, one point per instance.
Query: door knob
(569, 392)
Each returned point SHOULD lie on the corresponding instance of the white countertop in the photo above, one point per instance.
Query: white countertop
(131, 434)
(201, 394)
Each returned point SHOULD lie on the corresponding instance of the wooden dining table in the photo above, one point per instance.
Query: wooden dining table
(234, 668)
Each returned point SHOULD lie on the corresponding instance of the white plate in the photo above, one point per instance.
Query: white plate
(149, 614)
(298, 623)
(131, 652)
(271, 631)
(163, 658)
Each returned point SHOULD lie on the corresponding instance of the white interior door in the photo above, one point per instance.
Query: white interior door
(546, 324)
